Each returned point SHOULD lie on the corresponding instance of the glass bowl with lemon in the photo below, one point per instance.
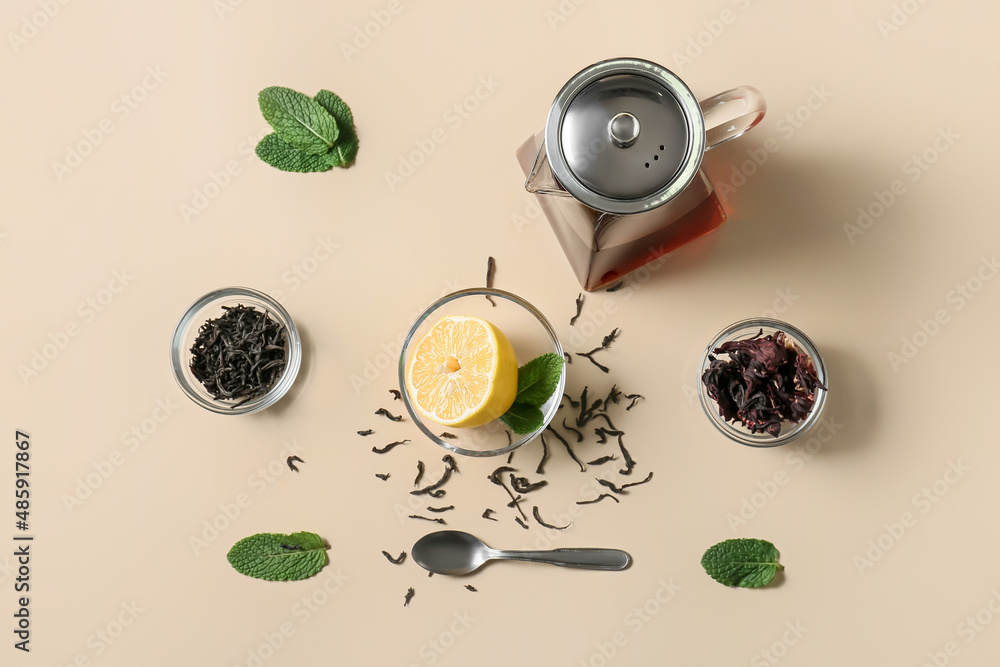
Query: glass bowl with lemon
(459, 372)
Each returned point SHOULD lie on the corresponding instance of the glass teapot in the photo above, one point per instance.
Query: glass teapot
(617, 167)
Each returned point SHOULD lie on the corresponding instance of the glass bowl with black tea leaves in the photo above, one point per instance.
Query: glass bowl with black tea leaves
(462, 371)
(762, 382)
(235, 351)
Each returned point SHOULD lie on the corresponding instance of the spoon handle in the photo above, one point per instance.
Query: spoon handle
(591, 559)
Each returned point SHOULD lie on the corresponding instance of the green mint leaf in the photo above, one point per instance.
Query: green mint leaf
(537, 379)
(346, 147)
(744, 562)
(280, 155)
(523, 418)
(298, 119)
(279, 557)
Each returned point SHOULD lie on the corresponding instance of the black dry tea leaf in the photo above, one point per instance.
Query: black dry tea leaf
(613, 396)
(629, 463)
(427, 518)
(487, 512)
(383, 476)
(589, 355)
(239, 355)
(471, 588)
(538, 518)
(765, 380)
(290, 461)
(496, 477)
(449, 467)
(569, 449)
(448, 436)
(522, 485)
(395, 394)
(540, 470)
(521, 523)
(568, 358)
(389, 447)
(597, 499)
(572, 403)
(398, 560)
(388, 415)
(491, 269)
(579, 435)
(420, 473)
(635, 398)
(409, 596)
(624, 487)
(579, 309)
(440, 509)
(603, 434)
(366, 432)
(603, 459)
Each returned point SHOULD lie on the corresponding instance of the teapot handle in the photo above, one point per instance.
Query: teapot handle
(730, 114)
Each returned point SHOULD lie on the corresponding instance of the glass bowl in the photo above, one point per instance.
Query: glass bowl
(210, 307)
(529, 333)
(789, 431)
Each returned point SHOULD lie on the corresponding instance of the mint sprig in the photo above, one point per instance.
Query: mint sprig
(310, 134)
(743, 562)
(279, 557)
(536, 382)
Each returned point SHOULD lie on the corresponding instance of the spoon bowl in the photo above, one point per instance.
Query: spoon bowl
(457, 552)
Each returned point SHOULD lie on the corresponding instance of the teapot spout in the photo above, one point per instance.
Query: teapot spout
(540, 179)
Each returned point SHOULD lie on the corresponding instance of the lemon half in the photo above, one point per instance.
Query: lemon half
(463, 372)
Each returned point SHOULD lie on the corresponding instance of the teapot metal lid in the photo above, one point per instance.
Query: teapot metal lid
(625, 136)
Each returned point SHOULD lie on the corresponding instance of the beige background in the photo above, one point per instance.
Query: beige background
(877, 97)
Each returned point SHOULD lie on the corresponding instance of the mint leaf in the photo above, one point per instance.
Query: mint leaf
(523, 418)
(279, 557)
(280, 155)
(298, 119)
(537, 379)
(744, 562)
(346, 147)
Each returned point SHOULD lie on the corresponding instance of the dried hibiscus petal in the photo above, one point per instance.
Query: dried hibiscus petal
(764, 381)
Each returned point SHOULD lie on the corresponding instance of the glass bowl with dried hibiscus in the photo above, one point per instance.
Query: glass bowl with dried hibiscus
(763, 382)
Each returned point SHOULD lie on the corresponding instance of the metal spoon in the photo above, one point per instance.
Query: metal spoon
(455, 552)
